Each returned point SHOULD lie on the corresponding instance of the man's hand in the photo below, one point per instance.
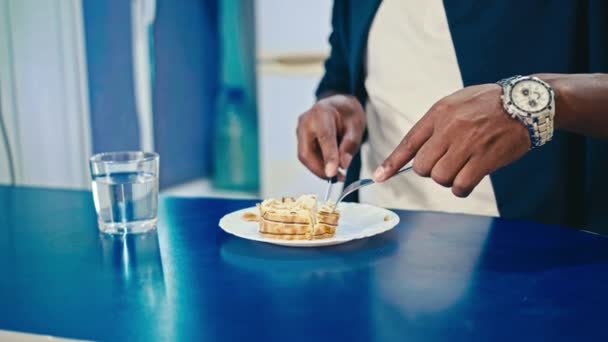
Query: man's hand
(330, 133)
(460, 140)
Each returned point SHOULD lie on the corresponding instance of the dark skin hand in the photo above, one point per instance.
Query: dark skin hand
(467, 135)
(330, 133)
(463, 137)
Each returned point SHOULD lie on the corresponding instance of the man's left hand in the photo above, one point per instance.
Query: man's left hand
(460, 140)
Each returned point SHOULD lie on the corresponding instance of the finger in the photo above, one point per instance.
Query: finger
(406, 150)
(428, 155)
(328, 143)
(309, 153)
(350, 142)
(469, 177)
(348, 147)
(446, 169)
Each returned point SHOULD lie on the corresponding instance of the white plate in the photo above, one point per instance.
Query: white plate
(357, 221)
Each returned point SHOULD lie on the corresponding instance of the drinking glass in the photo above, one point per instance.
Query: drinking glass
(125, 191)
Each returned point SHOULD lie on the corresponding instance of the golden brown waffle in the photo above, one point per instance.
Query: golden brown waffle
(297, 219)
(271, 227)
(328, 218)
(297, 236)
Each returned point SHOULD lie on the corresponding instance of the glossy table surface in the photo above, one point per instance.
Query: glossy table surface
(436, 277)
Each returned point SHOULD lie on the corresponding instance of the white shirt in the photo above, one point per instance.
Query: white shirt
(411, 64)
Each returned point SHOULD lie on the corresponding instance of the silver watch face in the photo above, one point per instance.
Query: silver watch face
(530, 96)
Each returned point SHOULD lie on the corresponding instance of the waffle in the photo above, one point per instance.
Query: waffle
(297, 219)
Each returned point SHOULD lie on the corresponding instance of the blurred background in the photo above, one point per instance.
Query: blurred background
(214, 86)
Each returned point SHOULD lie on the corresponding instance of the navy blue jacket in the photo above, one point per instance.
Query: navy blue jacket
(563, 182)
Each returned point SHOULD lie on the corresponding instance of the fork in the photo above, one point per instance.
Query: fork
(363, 183)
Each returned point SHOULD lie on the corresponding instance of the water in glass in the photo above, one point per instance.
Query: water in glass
(126, 202)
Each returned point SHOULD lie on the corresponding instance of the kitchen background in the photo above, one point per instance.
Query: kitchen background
(182, 78)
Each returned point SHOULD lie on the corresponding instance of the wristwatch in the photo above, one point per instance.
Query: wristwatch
(531, 101)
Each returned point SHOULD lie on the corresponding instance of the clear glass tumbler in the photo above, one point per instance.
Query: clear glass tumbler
(125, 191)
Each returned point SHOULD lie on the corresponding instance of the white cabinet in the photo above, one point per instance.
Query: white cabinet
(291, 42)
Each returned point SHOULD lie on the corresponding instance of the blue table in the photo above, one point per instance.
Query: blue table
(436, 277)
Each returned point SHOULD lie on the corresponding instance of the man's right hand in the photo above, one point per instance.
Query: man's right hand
(330, 133)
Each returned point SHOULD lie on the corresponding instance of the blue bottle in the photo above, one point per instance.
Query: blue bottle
(235, 164)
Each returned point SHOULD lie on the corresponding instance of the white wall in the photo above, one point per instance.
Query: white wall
(44, 90)
(292, 26)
